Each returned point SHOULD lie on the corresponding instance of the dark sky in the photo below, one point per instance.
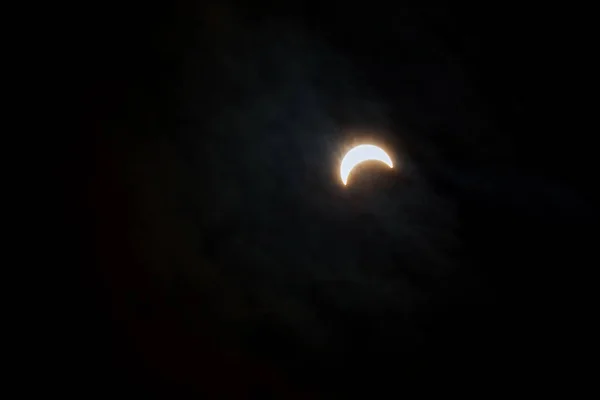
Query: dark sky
(223, 258)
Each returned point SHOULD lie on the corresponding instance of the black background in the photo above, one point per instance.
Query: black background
(164, 303)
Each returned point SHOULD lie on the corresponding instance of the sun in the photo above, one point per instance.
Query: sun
(358, 154)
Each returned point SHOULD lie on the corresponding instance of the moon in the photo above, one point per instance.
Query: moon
(358, 154)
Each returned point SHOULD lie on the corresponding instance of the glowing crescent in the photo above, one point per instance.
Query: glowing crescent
(361, 153)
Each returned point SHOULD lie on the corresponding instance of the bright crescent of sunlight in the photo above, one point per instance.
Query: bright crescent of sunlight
(358, 154)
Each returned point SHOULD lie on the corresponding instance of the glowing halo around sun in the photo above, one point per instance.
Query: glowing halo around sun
(358, 154)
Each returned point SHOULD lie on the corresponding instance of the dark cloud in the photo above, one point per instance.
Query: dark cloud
(249, 185)
(238, 227)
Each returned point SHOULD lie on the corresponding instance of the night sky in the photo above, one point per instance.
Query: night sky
(223, 258)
